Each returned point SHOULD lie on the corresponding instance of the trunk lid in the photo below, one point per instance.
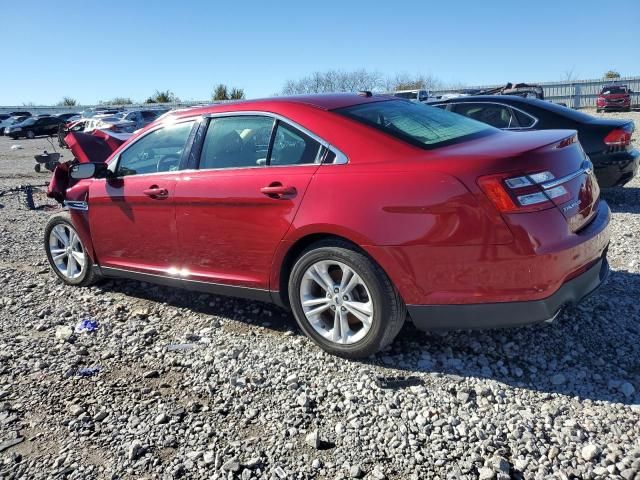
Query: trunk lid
(551, 162)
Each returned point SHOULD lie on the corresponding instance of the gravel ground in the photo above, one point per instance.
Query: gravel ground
(178, 384)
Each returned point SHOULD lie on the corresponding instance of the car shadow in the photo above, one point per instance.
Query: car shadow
(589, 351)
(248, 311)
(622, 199)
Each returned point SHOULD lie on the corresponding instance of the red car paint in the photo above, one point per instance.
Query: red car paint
(614, 97)
(420, 214)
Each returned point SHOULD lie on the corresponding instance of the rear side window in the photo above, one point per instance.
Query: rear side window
(293, 147)
(417, 123)
(236, 142)
(499, 116)
(524, 120)
(158, 151)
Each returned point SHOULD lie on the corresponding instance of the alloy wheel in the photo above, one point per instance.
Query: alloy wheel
(336, 302)
(67, 252)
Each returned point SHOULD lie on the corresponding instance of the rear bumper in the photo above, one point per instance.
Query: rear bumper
(510, 314)
(616, 169)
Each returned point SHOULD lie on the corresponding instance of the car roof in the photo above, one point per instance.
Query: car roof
(322, 101)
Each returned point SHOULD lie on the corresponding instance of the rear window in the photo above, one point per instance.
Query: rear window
(417, 123)
(407, 95)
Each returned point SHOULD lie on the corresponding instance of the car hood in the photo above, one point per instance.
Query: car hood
(94, 147)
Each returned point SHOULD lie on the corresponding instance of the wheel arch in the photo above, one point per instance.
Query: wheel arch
(289, 252)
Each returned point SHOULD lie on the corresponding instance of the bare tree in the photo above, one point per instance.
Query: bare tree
(166, 96)
(67, 102)
(117, 101)
(334, 81)
(570, 75)
(404, 81)
(236, 94)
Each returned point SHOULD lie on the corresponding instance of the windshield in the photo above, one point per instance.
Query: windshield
(613, 90)
(407, 95)
(417, 123)
(28, 121)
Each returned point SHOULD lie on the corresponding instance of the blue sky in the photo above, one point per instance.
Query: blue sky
(93, 51)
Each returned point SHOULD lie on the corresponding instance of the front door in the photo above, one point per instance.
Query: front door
(132, 216)
(234, 210)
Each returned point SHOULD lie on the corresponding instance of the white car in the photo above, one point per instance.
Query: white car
(109, 122)
(416, 95)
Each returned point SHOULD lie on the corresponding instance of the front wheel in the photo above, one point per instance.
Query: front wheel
(31, 135)
(66, 253)
(344, 301)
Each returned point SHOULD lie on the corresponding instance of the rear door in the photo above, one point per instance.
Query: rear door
(235, 208)
(132, 216)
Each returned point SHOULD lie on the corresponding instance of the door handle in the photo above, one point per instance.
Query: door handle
(277, 190)
(156, 192)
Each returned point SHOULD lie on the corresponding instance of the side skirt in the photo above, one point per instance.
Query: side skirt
(206, 287)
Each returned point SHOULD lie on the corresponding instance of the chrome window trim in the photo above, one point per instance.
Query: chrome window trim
(76, 205)
(341, 158)
(535, 120)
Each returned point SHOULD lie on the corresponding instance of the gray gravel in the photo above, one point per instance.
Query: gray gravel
(197, 386)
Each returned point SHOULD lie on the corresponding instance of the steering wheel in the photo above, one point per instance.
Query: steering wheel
(167, 163)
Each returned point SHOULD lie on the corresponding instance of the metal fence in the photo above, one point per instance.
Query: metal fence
(55, 109)
(576, 93)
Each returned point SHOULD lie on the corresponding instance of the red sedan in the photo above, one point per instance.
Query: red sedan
(354, 211)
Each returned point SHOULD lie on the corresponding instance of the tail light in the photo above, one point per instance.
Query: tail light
(525, 193)
(619, 137)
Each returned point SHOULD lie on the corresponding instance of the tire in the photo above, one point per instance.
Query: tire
(30, 134)
(388, 309)
(86, 275)
(37, 167)
(13, 137)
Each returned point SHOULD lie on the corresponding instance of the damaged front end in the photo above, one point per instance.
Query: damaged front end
(95, 147)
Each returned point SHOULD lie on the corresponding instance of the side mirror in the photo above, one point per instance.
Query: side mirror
(89, 170)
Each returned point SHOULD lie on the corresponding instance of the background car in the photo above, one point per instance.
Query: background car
(109, 122)
(20, 114)
(607, 142)
(416, 95)
(351, 210)
(10, 121)
(68, 116)
(33, 127)
(614, 97)
(142, 118)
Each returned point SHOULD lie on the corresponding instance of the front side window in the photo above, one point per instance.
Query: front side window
(293, 147)
(158, 151)
(235, 142)
(416, 123)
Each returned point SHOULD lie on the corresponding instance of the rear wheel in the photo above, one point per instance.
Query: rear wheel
(344, 301)
(66, 253)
